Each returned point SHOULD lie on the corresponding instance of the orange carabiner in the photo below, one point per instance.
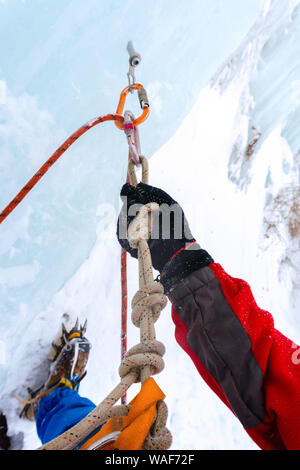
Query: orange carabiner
(143, 102)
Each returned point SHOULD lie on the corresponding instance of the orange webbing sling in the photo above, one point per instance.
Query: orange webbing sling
(135, 427)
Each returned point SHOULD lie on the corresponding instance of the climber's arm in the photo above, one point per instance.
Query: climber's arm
(232, 342)
(237, 351)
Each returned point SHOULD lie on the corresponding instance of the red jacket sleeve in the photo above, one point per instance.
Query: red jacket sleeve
(251, 366)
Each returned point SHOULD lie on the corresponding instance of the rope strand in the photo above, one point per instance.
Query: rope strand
(144, 359)
(54, 157)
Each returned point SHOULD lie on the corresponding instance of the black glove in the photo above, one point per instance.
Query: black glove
(173, 249)
(172, 234)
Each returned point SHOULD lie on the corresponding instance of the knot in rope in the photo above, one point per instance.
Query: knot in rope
(141, 227)
(147, 305)
(147, 354)
(159, 437)
(144, 359)
(149, 296)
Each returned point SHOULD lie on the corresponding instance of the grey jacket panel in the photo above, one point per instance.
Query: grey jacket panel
(219, 340)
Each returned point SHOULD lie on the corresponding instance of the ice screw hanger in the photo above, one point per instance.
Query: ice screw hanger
(134, 60)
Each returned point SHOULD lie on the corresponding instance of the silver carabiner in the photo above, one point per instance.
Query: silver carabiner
(133, 137)
(104, 441)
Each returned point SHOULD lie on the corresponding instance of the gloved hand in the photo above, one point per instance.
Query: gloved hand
(173, 233)
(174, 252)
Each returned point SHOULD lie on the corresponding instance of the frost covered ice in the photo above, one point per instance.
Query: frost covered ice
(223, 132)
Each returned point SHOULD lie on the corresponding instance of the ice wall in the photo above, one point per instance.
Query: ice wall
(226, 149)
(63, 63)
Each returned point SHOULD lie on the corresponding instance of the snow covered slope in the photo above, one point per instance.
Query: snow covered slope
(233, 164)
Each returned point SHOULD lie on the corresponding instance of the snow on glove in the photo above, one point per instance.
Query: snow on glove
(173, 232)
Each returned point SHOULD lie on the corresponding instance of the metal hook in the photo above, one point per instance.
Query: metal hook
(133, 138)
(134, 61)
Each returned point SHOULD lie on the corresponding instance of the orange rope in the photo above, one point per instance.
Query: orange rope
(56, 155)
(123, 310)
(119, 119)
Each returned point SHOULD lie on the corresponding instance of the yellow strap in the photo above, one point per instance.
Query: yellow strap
(134, 427)
(74, 335)
(66, 383)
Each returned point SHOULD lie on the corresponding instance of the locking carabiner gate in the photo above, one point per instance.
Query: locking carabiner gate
(144, 103)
